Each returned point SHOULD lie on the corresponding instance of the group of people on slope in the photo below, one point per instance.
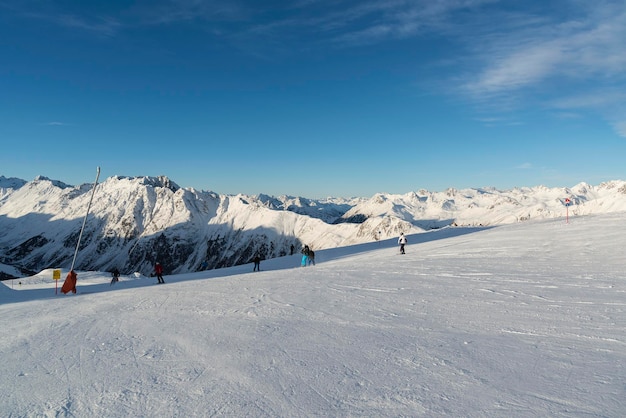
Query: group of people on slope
(70, 281)
(158, 272)
(308, 258)
(308, 255)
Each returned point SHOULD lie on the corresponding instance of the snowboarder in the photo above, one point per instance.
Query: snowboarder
(311, 257)
(305, 255)
(158, 270)
(257, 263)
(402, 242)
(70, 282)
(116, 276)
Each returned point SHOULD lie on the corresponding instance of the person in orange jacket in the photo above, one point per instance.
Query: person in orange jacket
(70, 283)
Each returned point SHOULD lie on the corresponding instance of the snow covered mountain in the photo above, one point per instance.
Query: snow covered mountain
(136, 221)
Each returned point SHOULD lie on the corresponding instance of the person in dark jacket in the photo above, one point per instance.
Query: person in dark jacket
(257, 263)
(116, 276)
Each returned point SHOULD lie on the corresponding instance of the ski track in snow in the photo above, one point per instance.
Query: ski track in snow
(516, 321)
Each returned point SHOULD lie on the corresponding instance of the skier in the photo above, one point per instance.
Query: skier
(158, 270)
(257, 263)
(70, 282)
(116, 276)
(305, 255)
(311, 257)
(402, 242)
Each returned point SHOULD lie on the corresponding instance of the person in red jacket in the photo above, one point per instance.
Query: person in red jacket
(158, 270)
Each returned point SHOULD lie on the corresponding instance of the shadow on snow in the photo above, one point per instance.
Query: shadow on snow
(8, 293)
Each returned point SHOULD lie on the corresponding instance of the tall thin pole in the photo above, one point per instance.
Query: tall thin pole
(93, 191)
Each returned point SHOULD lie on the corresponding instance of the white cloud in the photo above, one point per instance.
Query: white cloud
(378, 21)
(598, 98)
(100, 25)
(571, 63)
(541, 49)
(524, 67)
(620, 128)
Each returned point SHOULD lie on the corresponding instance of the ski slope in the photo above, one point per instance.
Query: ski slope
(522, 320)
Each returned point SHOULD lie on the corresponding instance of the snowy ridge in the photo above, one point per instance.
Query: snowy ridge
(8, 185)
(135, 221)
(490, 206)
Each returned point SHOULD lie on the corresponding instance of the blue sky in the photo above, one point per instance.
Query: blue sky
(315, 98)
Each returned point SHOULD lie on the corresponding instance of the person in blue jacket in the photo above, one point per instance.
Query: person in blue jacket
(305, 255)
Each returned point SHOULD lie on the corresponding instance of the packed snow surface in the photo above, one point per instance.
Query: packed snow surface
(521, 320)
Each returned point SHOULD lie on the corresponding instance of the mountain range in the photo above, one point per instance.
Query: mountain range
(134, 222)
